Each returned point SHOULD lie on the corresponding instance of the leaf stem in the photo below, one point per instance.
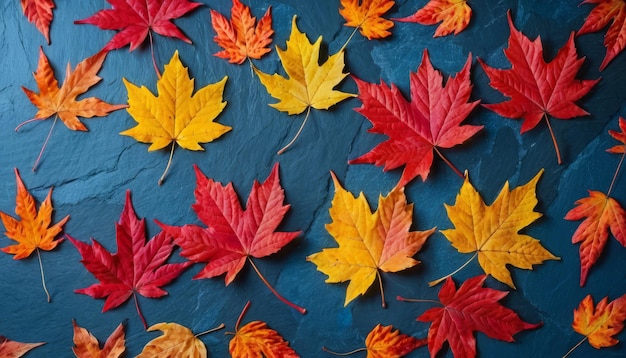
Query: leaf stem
(143, 320)
(404, 299)
(619, 165)
(156, 68)
(576, 346)
(26, 122)
(169, 162)
(458, 172)
(306, 117)
(222, 325)
(43, 278)
(251, 67)
(45, 143)
(556, 145)
(436, 282)
(382, 292)
(350, 38)
(243, 312)
(302, 310)
(343, 354)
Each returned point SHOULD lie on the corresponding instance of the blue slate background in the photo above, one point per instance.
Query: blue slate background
(91, 171)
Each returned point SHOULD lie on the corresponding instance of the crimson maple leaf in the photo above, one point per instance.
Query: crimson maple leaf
(39, 13)
(137, 267)
(136, 18)
(234, 235)
(599, 17)
(538, 89)
(431, 120)
(465, 310)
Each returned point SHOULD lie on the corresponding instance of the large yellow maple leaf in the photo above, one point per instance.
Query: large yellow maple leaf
(368, 242)
(492, 231)
(176, 116)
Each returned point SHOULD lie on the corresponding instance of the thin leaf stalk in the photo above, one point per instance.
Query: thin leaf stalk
(302, 310)
(436, 282)
(382, 291)
(619, 166)
(214, 329)
(404, 299)
(576, 346)
(156, 68)
(306, 117)
(243, 312)
(143, 320)
(457, 171)
(344, 354)
(43, 278)
(45, 143)
(556, 145)
(350, 38)
(26, 122)
(169, 163)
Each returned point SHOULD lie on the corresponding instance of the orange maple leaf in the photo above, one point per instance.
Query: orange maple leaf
(384, 342)
(39, 13)
(454, 16)
(366, 16)
(86, 345)
(601, 15)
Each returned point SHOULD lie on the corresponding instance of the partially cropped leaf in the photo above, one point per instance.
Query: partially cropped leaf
(384, 342)
(368, 242)
(366, 15)
(601, 323)
(239, 37)
(87, 346)
(39, 12)
(620, 137)
(176, 341)
(13, 349)
(454, 16)
(605, 12)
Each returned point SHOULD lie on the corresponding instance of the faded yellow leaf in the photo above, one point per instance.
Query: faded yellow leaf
(492, 231)
(176, 341)
(368, 242)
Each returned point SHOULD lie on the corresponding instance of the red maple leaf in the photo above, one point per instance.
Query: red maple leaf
(39, 12)
(600, 16)
(137, 267)
(136, 18)
(431, 120)
(538, 89)
(234, 235)
(470, 308)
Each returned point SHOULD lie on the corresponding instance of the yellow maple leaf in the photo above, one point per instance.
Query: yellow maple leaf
(176, 341)
(365, 15)
(176, 116)
(368, 242)
(309, 84)
(492, 231)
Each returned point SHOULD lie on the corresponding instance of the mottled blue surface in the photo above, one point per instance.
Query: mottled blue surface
(91, 171)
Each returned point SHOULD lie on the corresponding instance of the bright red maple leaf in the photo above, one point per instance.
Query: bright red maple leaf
(600, 16)
(465, 310)
(234, 235)
(136, 18)
(431, 120)
(538, 89)
(39, 13)
(137, 267)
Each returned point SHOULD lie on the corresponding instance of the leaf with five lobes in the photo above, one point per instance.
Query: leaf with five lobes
(239, 37)
(468, 309)
(13, 349)
(366, 15)
(39, 13)
(136, 268)
(87, 346)
(234, 235)
(52, 100)
(432, 119)
(309, 84)
(368, 242)
(538, 89)
(176, 341)
(384, 342)
(136, 18)
(33, 231)
(176, 115)
(454, 16)
(491, 231)
(600, 323)
(604, 12)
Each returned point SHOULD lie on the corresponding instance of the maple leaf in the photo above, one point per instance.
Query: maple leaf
(384, 342)
(137, 18)
(366, 16)
(368, 242)
(309, 84)
(239, 37)
(176, 116)
(468, 309)
(176, 341)
(13, 349)
(61, 102)
(454, 16)
(257, 340)
(538, 89)
(601, 15)
(137, 267)
(492, 231)
(415, 129)
(600, 323)
(39, 13)
(234, 235)
(87, 346)
(601, 213)
(33, 232)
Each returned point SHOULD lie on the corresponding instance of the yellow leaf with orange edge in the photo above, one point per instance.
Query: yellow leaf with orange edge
(366, 15)
(454, 16)
(87, 346)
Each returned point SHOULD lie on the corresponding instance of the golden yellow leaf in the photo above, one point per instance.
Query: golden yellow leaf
(176, 341)
(492, 231)
(368, 242)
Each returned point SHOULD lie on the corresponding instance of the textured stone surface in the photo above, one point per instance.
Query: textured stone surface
(91, 171)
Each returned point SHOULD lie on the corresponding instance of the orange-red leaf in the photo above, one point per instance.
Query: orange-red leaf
(384, 342)
(39, 13)
(619, 136)
(366, 15)
(87, 346)
(257, 340)
(454, 16)
(239, 37)
(600, 323)
(12, 349)
(601, 15)
(32, 231)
